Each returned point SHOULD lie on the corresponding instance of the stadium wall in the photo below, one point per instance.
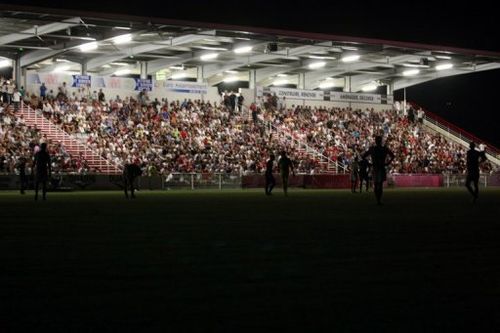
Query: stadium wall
(113, 86)
(198, 181)
(250, 96)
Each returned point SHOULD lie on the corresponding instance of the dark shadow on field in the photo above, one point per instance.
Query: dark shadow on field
(231, 261)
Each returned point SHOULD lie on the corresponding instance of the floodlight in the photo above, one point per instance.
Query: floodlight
(209, 56)
(351, 58)
(316, 65)
(411, 72)
(88, 46)
(243, 49)
(122, 72)
(122, 39)
(442, 67)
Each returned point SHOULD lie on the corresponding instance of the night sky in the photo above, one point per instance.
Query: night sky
(467, 100)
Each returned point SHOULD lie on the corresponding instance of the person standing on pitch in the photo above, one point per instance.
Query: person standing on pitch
(378, 154)
(270, 181)
(364, 169)
(285, 165)
(23, 181)
(42, 168)
(354, 174)
(474, 157)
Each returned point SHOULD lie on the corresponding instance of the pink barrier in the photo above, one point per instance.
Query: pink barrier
(417, 180)
(343, 181)
(254, 181)
(327, 181)
(494, 180)
(306, 181)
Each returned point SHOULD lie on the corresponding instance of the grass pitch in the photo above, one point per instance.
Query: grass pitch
(232, 261)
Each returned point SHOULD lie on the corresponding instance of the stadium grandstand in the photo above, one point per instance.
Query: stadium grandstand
(192, 98)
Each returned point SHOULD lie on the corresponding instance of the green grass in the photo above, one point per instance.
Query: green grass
(231, 261)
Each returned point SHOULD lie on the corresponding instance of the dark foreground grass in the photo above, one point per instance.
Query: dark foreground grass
(233, 261)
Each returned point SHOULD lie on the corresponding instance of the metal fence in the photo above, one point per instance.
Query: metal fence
(195, 181)
(458, 180)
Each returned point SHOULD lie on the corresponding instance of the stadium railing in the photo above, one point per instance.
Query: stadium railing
(222, 181)
(458, 132)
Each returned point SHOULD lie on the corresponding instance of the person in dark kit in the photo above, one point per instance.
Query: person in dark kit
(285, 165)
(42, 169)
(23, 180)
(232, 101)
(270, 181)
(130, 173)
(240, 102)
(474, 157)
(364, 170)
(354, 174)
(379, 154)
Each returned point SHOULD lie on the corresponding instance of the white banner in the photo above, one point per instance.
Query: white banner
(290, 93)
(185, 87)
(113, 82)
(51, 79)
(338, 96)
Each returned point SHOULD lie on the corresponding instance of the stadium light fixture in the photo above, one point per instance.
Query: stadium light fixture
(326, 84)
(231, 72)
(88, 46)
(443, 67)
(122, 72)
(411, 72)
(280, 82)
(282, 75)
(230, 79)
(122, 39)
(106, 66)
(5, 63)
(61, 60)
(321, 57)
(243, 49)
(369, 87)
(179, 75)
(213, 48)
(181, 67)
(122, 28)
(209, 56)
(119, 63)
(443, 57)
(316, 65)
(351, 58)
(62, 68)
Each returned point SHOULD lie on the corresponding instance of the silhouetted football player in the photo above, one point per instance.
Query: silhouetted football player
(130, 173)
(379, 154)
(42, 169)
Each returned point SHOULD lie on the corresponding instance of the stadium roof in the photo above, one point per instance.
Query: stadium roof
(48, 40)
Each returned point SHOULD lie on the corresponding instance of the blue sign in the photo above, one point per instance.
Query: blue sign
(81, 81)
(141, 84)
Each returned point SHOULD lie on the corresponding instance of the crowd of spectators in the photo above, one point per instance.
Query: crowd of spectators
(195, 136)
(343, 133)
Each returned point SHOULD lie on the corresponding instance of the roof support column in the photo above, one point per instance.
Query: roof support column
(252, 78)
(347, 84)
(144, 69)
(84, 67)
(199, 74)
(390, 89)
(16, 71)
(302, 81)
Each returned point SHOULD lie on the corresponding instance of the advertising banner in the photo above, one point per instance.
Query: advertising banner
(291, 93)
(184, 86)
(141, 84)
(80, 81)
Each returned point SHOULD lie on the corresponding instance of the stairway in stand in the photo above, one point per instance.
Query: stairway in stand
(287, 138)
(57, 135)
